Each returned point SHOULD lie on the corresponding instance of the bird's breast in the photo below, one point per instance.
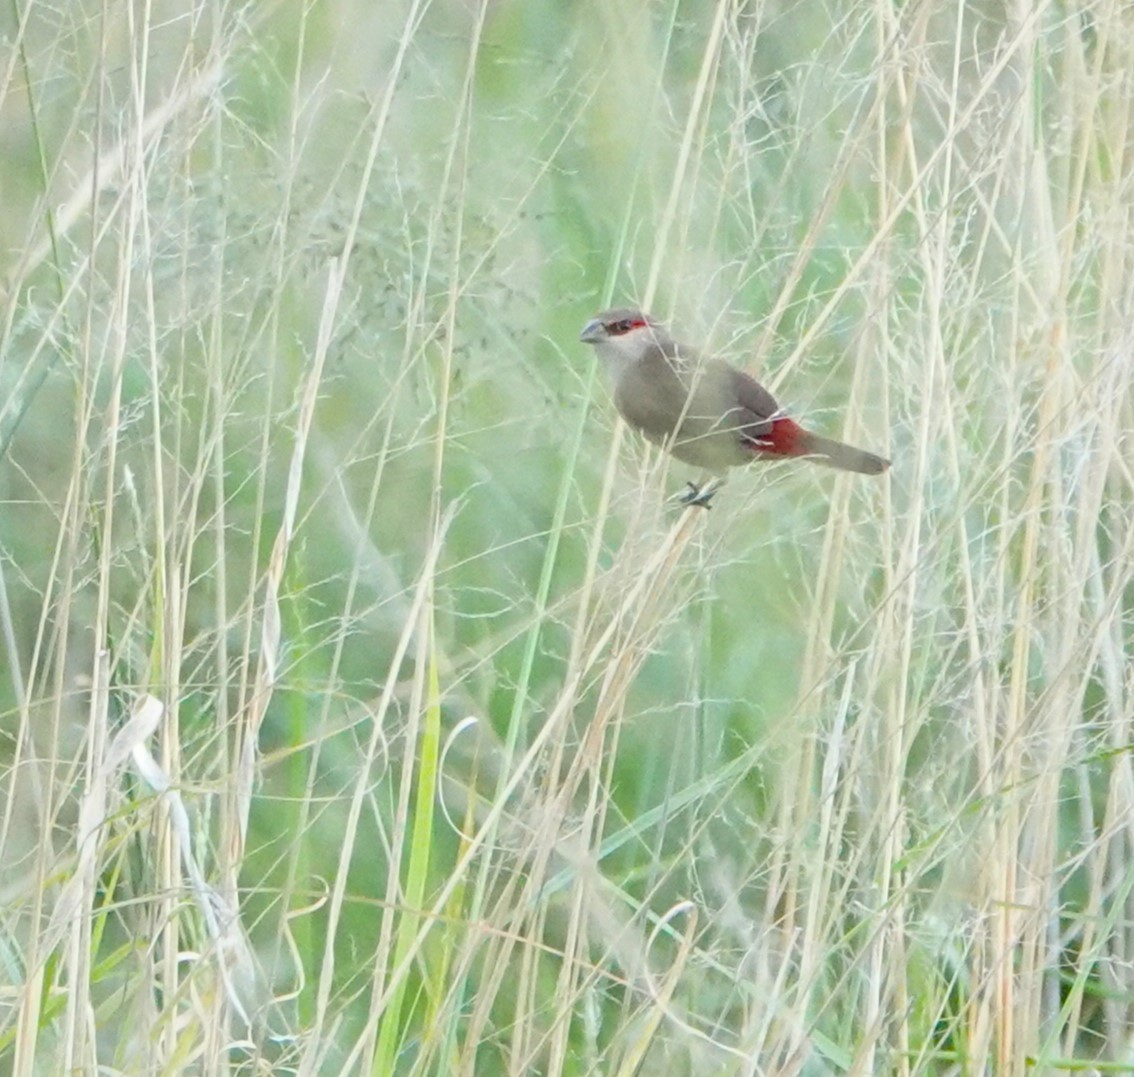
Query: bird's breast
(684, 408)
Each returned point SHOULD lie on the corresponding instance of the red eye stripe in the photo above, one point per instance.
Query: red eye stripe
(625, 325)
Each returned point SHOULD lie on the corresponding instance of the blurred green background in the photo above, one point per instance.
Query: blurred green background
(896, 215)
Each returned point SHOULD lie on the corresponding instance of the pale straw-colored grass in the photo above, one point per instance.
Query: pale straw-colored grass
(367, 705)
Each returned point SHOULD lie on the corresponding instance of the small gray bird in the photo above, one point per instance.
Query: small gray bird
(701, 409)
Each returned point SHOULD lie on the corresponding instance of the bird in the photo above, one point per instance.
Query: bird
(701, 409)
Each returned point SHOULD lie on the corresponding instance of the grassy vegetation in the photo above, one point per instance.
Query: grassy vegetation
(366, 707)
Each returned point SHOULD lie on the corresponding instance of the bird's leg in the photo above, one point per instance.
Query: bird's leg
(700, 493)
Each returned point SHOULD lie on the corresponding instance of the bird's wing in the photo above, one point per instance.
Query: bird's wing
(756, 407)
(735, 399)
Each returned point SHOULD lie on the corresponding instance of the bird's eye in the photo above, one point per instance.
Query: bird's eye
(623, 326)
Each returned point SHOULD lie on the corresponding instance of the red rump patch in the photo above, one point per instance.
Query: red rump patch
(786, 438)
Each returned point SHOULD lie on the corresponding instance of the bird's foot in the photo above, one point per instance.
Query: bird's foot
(700, 495)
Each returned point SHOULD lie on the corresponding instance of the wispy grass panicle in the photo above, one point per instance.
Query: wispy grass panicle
(367, 702)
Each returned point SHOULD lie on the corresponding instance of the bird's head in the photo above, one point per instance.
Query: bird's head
(624, 334)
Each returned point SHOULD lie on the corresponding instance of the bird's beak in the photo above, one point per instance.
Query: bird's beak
(593, 332)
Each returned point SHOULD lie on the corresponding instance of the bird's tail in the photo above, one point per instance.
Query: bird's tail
(840, 455)
(787, 438)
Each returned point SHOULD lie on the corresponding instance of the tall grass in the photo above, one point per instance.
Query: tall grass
(367, 707)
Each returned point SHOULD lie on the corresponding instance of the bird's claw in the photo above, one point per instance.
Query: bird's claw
(699, 495)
